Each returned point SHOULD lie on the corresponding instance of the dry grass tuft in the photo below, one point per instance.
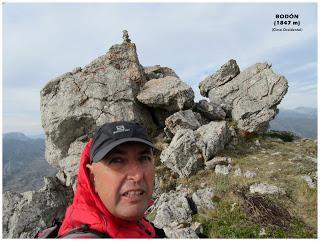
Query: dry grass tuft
(263, 210)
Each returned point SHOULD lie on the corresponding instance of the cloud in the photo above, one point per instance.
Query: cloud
(311, 66)
(19, 122)
(21, 110)
(312, 87)
(21, 100)
(292, 100)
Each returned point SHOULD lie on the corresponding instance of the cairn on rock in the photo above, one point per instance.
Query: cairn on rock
(125, 37)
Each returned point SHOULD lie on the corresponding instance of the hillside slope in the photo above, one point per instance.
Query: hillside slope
(238, 213)
(24, 164)
(301, 120)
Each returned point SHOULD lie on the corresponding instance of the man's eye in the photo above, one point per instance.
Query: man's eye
(145, 158)
(115, 160)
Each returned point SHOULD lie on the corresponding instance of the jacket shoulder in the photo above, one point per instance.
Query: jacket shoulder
(84, 232)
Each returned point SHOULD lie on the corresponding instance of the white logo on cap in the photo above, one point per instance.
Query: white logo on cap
(120, 129)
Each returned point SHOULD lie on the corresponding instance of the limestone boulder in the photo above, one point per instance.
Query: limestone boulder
(25, 214)
(309, 181)
(203, 199)
(238, 172)
(227, 72)
(212, 138)
(252, 96)
(249, 174)
(210, 110)
(180, 233)
(222, 169)
(75, 103)
(183, 155)
(217, 160)
(264, 188)
(173, 208)
(169, 93)
(157, 72)
(185, 119)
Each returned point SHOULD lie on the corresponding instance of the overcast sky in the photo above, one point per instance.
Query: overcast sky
(42, 41)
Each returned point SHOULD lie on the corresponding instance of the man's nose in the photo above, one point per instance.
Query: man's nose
(135, 171)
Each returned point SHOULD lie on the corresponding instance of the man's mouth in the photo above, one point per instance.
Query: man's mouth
(133, 193)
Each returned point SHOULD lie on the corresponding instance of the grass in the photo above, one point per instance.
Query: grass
(225, 222)
(276, 163)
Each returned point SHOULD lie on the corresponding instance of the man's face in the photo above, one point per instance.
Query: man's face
(124, 180)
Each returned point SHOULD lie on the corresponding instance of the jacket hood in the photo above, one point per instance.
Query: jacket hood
(87, 208)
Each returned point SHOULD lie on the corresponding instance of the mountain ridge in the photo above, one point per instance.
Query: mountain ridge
(301, 120)
(24, 164)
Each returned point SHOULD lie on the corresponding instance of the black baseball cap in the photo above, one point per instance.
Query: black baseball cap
(110, 135)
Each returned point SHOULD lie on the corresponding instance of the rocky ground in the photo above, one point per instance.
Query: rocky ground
(263, 188)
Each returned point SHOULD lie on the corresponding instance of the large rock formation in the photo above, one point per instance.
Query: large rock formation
(74, 104)
(252, 96)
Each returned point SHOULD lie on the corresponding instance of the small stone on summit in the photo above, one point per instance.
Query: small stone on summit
(125, 36)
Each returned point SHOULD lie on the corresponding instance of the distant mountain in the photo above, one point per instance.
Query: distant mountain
(39, 136)
(24, 163)
(15, 136)
(301, 120)
(309, 111)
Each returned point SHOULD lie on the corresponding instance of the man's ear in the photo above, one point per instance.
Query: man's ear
(90, 167)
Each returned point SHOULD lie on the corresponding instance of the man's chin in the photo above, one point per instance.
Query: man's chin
(132, 213)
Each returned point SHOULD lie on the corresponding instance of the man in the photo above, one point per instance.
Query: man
(115, 185)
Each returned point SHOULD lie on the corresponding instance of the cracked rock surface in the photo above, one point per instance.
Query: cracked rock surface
(183, 156)
(156, 72)
(169, 93)
(186, 119)
(25, 214)
(74, 104)
(188, 150)
(252, 96)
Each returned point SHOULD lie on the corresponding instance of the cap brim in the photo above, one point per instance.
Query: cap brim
(108, 147)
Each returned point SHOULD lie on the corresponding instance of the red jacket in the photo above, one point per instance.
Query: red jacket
(87, 208)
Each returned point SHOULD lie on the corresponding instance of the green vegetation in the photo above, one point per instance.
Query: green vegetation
(227, 222)
(283, 135)
(279, 163)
